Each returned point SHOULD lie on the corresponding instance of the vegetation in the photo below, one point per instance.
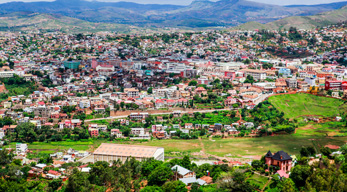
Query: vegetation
(298, 105)
(17, 86)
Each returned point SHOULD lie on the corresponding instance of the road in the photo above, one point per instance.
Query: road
(261, 99)
(167, 113)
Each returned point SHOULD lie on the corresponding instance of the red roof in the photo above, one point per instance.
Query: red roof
(53, 172)
(41, 103)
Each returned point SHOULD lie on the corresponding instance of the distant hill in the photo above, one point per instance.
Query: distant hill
(300, 22)
(200, 13)
(310, 22)
(21, 21)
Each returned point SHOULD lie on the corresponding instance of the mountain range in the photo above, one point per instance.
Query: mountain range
(301, 22)
(126, 15)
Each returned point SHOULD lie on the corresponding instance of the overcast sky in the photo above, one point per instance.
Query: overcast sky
(186, 2)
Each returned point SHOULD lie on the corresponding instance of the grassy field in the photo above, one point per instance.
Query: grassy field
(316, 135)
(297, 105)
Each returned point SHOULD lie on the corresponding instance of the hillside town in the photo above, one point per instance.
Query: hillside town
(121, 90)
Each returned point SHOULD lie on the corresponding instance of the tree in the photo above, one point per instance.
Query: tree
(344, 168)
(299, 174)
(26, 132)
(304, 152)
(249, 79)
(77, 182)
(343, 149)
(288, 186)
(193, 83)
(160, 175)
(149, 165)
(195, 188)
(150, 90)
(325, 151)
(55, 184)
(5, 157)
(235, 181)
(151, 189)
(174, 186)
(186, 163)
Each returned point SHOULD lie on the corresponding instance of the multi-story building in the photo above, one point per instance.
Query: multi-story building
(94, 132)
(333, 85)
(256, 74)
(292, 83)
(6, 74)
(284, 71)
(203, 80)
(132, 92)
(84, 104)
(21, 147)
(176, 68)
(72, 64)
(138, 116)
(280, 159)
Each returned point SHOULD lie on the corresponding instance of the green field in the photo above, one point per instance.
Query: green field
(309, 135)
(297, 105)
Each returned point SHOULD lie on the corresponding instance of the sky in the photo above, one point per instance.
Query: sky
(186, 2)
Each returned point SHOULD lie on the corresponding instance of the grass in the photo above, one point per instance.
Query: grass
(332, 129)
(231, 147)
(296, 105)
(258, 180)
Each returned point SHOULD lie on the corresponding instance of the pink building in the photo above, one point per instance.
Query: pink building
(280, 159)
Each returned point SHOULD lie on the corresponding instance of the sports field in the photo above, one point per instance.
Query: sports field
(297, 105)
(310, 135)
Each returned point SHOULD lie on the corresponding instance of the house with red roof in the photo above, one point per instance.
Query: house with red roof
(53, 174)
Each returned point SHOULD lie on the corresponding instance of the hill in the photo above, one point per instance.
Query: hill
(300, 22)
(310, 22)
(298, 105)
(252, 25)
(200, 13)
(22, 21)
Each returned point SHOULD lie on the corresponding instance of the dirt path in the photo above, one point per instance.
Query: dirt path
(267, 183)
(307, 108)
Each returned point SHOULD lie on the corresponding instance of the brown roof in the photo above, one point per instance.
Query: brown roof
(126, 150)
(207, 179)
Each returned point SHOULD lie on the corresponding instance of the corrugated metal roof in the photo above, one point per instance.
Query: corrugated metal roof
(126, 150)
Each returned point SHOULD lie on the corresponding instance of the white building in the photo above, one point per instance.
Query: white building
(256, 74)
(111, 152)
(21, 147)
(6, 74)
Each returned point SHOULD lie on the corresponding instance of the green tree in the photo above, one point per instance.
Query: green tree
(160, 175)
(26, 132)
(193, 83)
(150, 90)
(151, 189)
(54, 184)
(343, 149)
(288, 186)
(249, 79)
(5, 157)
(77, 182)
(299, 174)
(325, 151)
(174, 186)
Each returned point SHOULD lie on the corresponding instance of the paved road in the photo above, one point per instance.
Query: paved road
(261, 99)
(168, 113)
